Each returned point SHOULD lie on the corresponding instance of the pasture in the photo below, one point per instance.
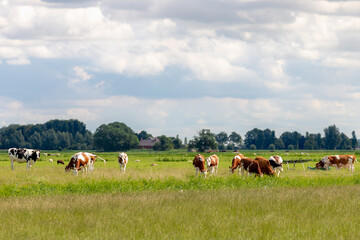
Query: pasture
(167, 201)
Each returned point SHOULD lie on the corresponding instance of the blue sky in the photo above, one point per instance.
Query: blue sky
(175, 67)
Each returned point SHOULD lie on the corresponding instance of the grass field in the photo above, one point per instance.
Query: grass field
(167, 202)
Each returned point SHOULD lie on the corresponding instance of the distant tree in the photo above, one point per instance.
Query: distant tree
(204, 140)
(272, 147)
(143, 135)
(221, 147)
(252, 147)
(310, 142)
(235, 138)
(177, 143)
(345, 142)
(221, 137)
(230, 146)
(165, 143)
(157, 146)
(332, 137)
(279, 144)
(255, 137)
(114, 137)
(354, 140)
(291, 147)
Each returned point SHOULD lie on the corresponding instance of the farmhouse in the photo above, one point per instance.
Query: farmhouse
(148, 143)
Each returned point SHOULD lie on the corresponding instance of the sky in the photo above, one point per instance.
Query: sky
(175, 67)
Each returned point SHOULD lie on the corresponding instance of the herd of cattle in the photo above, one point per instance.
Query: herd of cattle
(259, 166)
(271, 166)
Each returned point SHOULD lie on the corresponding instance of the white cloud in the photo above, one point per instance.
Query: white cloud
(285, 59)
(81, 76)
(19, 61)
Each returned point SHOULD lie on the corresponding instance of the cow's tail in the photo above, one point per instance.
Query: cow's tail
(102, 159)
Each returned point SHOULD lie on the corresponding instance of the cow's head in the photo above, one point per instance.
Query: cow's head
(320, 165)
(35, 155)
(122, 157)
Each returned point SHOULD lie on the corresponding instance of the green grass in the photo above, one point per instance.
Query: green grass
(167, 202)
(261, 213)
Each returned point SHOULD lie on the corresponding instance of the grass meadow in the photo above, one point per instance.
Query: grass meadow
(166, 201)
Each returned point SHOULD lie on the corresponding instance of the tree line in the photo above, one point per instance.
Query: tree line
(73, 135)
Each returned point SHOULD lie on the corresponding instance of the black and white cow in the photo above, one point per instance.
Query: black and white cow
(22, 155)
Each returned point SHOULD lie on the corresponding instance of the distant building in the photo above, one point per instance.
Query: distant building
(148, 143)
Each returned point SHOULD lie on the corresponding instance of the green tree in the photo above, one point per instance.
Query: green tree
(115, 136)
(205, 140)
(221, 137)
(177, 142)
(235, 138)
(354, 140)
(332, 137)
(279, 144)
(165, 143)
(143, 135)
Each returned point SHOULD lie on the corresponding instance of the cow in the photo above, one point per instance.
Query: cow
(22, 155)
(212, 163)
(265, 166)
(80, 161)
(123, 160)
(246, 164)
(337, 161)
(276, 163)
(236, 162)
(60, 161)
(199, 164)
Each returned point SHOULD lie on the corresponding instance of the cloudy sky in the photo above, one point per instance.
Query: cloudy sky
(174, 67)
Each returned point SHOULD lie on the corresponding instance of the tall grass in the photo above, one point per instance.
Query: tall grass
(260, 213)
(84, 186)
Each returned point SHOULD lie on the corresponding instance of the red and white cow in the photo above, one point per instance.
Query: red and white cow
(80, 161)
(276, 163)
(123, 160)
(212, 163)
(337, 161)
(22, 155)
(199, 164)
(236, 162)
(245, 164)
(265, 166)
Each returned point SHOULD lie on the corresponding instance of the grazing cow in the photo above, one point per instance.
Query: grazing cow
(246, 164)
(337, 161)
(276, 163)
(123, 160)
(22, 155)
(50, 160)
(80, 161)
(265, 166)
(236, 162)
(60, 161)
(212, 163)
(199, 164)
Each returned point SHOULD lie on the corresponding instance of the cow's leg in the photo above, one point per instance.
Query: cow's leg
(124, 167)
(27, 165)
(12, 164)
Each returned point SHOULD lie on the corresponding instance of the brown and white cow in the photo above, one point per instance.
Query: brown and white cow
(246, 164)
(337, 161)
(276, 163)
(22, 155)
(80, 161)
(212, 163)
(236, 162)
(265, 166)
(199, 164)
(123, 160)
